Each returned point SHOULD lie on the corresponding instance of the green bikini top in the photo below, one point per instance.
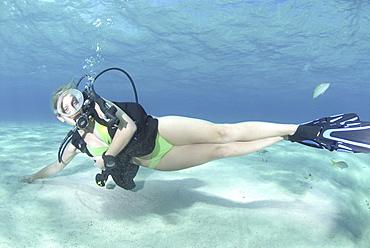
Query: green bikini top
(104, 135)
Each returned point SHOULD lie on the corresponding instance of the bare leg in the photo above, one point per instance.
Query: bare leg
(184, 131)
(182, 157)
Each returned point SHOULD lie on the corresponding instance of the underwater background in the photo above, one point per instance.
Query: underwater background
(219, 60)
(224, 61)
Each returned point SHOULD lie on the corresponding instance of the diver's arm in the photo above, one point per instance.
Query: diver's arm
(125, 130)
(53, 168)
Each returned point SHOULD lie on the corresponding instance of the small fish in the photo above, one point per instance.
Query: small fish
(320, 89)
(340, 164)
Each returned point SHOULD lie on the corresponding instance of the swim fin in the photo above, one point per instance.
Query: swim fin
(344, 133)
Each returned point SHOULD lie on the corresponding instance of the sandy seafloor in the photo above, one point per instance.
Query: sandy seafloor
(287, 195)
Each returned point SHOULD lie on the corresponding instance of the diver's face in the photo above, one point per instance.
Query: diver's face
(69, 104)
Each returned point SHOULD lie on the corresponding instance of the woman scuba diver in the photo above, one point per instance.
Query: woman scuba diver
(120, 137)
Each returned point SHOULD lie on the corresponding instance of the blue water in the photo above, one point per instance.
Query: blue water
(221, 60)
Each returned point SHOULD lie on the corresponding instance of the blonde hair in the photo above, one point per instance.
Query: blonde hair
(55, 96)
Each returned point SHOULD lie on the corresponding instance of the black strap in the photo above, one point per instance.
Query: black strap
(109, 111)
(80, 144)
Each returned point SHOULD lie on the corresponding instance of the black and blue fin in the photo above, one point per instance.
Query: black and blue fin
(344, 132)
(348, 139)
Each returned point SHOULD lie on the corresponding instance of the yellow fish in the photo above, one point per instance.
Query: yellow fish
(340, 164)
(320, 89)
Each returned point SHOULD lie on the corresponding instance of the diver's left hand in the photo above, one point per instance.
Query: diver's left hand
(99, 162)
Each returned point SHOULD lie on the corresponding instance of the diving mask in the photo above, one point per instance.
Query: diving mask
(70, 102)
